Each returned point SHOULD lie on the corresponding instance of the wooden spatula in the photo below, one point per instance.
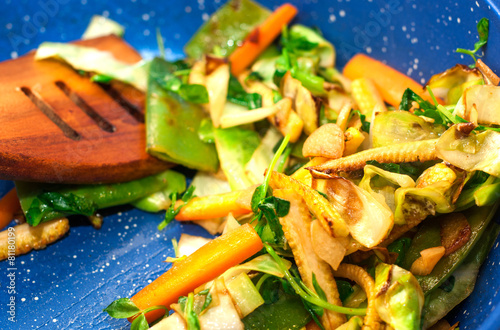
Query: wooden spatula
(58, 126)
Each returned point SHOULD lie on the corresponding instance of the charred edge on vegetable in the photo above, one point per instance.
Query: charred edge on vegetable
(213, 63)
(254, 36)
(464, 129)
(85, 107)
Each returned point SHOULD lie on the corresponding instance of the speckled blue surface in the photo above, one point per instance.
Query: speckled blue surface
(68, 284)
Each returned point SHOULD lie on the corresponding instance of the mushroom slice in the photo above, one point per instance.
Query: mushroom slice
(327, 141)
(296, 229)
(455, 232)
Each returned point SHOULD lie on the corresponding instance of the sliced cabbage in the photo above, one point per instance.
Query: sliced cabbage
(471, 152)
(101, 26)
(399, 126)
(369, 221)
(216, 84)
(234, 155)
(399, 297)
(384, 191)
(93, 60)
(481, 102)
(434, 192)
(449, 85)
(262, 156)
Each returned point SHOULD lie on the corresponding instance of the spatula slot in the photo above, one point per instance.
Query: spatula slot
(129, 107)
(48, 111)
(76, 99)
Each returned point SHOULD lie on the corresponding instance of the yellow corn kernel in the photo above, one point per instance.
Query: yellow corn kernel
(353, 139)
(366, 96)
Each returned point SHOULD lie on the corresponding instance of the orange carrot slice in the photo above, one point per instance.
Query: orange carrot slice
(208, 262)
(9, 205)
(215, 206)
(261, 37)
(390, 83)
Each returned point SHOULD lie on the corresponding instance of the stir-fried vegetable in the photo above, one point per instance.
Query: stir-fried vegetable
(377, 204)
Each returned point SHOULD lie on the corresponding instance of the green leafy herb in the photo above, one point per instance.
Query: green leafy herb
(192, 319)
(237, 94)
(172, 211)
(139, 323)
(400, 246)
(208, 300)
(276, 96)
(124, 308)
(193, 93)
(403, 168)
(67, 203)
(483, 32)
(308, 295)
(345, 289)
(270, 289)
(254, 76)
(365, 125)
(101, 78)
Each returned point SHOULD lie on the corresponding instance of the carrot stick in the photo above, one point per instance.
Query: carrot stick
(9, 205)
(213, 206)
(261, 37)
(390, 83)
(208, 262)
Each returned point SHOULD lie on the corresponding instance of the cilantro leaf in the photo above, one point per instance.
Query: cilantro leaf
(237, 94)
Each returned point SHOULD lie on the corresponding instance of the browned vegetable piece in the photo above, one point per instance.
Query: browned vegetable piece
(285, 120)
(28, 238)
(368, 220)
(329, 249)
(489, 76)
(398, 153)
(329, 218)
(303, 102)
(428, 259)
(455, 232)
(327, 141)
(296, 229)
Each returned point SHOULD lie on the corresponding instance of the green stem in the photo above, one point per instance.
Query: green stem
(262, 280)
(307, 297)
(273, 163)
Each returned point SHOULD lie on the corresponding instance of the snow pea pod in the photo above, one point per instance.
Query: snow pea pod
(287, 312)
(172, 124)
(226, 28)
(160, 200)
(439, 302)
(429, 236)
(44, 201)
